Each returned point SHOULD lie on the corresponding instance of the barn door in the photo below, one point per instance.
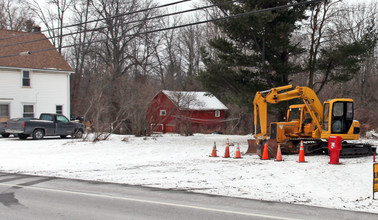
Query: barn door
(157, 128)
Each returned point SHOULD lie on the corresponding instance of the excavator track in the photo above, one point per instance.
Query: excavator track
(356, 150)
(311, 145)
(319, 146)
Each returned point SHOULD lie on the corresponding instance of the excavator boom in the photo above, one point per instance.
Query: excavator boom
(286, 93)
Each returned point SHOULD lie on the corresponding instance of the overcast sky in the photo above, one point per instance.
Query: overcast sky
(168, 1)
(190, 3)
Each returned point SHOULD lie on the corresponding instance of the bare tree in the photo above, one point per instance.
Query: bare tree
(319, 20)
(347, 24)
(123, 50)
(332, 55)
(168, 54)
(178, 55)
(83, 57)
(54, 18)
(192, 39)
(15, 15)
(359, 22)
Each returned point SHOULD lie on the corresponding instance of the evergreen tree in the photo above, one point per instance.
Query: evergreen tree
(255, 53)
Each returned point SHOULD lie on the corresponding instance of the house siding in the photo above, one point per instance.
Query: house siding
(47, 89)
(160, 123)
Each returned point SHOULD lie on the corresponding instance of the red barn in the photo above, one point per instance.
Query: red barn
(187, 112)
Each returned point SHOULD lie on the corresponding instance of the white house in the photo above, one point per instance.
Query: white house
(34, 77)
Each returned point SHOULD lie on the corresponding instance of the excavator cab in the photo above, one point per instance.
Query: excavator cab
(294, 113)
(338, 120)
(298, 124)
(299, 113)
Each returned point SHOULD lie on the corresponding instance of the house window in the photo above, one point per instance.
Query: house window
(163, 112)
(59, 109)
(29, 111)
(217, 113)
(4, 112)
(26, 78)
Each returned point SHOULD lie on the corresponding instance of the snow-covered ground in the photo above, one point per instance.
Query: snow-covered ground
(178, 162)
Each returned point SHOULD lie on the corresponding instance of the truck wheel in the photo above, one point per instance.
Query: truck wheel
(38, 134)
(63, 136)
(78, 134)
(5, 135)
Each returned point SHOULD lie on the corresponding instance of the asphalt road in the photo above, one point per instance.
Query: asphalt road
(35, 197)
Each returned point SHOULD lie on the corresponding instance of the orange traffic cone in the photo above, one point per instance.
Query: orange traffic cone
(265, 155)
(301, 154)
(214, 152)
(237, 153)
(227, 150)
(279, 155)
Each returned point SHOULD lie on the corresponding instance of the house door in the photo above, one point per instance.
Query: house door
(4, 112)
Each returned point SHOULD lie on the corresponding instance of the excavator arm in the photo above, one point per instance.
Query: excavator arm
(285, 93)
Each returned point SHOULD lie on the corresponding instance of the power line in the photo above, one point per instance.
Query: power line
(180, 26)
(205, 121)
(97, 20)
(131, 22)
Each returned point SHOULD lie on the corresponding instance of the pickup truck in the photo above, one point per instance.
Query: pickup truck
(4, 125)
(2, 130)
(46, 125)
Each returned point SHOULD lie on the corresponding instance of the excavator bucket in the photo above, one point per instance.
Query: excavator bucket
(252, 146)
(257, 147)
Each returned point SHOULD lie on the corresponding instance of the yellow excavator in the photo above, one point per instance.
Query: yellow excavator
(311, 122)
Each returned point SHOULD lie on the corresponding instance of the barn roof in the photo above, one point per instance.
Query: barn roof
(18, 43)
(195, 100)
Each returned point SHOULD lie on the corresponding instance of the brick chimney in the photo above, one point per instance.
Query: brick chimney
(36, 29)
